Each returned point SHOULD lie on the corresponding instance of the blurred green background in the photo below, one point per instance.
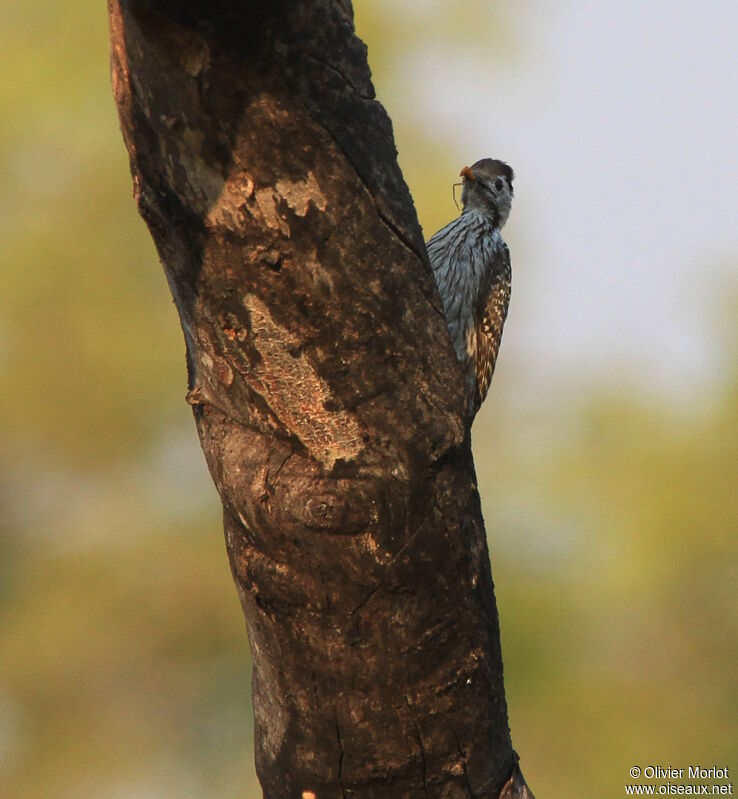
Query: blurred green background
(606, 451)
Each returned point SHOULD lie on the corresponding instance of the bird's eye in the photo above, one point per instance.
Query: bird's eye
(498, 184)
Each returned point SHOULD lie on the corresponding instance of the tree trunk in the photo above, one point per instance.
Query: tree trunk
(326, 394)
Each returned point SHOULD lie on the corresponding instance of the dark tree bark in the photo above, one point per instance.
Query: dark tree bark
(326, 395)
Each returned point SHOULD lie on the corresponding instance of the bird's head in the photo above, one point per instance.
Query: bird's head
(488, 188)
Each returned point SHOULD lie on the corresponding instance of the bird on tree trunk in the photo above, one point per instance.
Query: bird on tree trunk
(471, 265)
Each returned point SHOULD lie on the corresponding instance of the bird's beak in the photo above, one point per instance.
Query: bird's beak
(468, 174)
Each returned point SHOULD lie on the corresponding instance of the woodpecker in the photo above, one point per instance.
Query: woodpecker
(471, 265)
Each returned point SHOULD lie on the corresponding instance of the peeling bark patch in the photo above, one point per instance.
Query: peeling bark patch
(267, 205)
(232, 211)
(236, 202)
(204, 184)
(297, 394)
(300, 193)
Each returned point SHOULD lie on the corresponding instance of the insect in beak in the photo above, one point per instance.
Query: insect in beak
(453, 194)
(468, 174)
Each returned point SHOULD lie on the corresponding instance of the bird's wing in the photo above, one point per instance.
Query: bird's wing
(494, 300)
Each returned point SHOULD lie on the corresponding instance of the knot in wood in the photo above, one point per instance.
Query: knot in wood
(324, 511)
(333, 509)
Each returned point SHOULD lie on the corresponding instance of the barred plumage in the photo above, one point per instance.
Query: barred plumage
(471, 265)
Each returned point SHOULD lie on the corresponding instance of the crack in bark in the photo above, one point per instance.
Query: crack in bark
(400, 235)
(338, 72)
(389, 565)
(280, 467)
(325, 589)
(420, 744)
(271, 480)
(340, 755)
(383, 217)
(462, 755)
